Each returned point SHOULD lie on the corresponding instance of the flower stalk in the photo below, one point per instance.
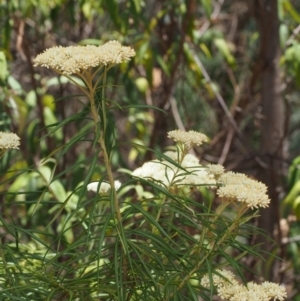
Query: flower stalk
(86, 62)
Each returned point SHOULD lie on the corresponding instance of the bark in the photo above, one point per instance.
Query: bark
(273, 123)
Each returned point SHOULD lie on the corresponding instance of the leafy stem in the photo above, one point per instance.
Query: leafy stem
(100, 124)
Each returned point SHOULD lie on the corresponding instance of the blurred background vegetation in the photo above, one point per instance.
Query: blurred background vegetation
(227, 68)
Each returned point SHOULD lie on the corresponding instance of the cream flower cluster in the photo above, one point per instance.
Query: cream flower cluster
(229, 289)
(104, 186)
(9, 140)
(166, 173)
(189, 139)
(75, 59)
(238, 187)
(232, 187)
(215, 169)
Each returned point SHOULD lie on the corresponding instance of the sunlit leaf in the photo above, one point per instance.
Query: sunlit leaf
(3, 68)
(291, 10)
(224, 48)
(50, 120)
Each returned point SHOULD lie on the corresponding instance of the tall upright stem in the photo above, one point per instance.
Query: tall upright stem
(101, 140)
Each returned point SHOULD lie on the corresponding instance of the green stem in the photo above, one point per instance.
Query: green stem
(182, 153)
(104, 121)
(2, 152)
(101, 140)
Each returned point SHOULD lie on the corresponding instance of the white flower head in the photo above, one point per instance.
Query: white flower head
(165, 173)
(239, 187)
(76, 59)
(189, 139)
(158, 171)
(215, 169)
(9, 140)
(228, 288)
(190, 161)
(104, 186)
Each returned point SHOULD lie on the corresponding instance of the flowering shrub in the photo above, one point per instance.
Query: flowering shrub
(166, 233)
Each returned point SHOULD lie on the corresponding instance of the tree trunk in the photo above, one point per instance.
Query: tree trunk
(273, 122)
